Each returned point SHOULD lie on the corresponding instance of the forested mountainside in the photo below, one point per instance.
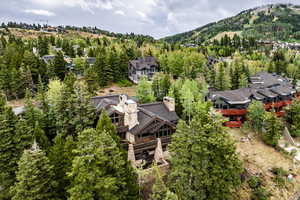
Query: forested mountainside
(271, 22)
(61, 147)
(70, 29)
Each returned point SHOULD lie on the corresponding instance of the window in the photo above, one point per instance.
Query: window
(152, 69)
(165, 130)
(115, 118)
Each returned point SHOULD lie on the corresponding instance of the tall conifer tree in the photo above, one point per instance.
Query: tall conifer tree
(34, 176)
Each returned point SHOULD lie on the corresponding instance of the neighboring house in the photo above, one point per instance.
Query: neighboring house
(211, 61)
(91, 60)
(57, 49)
(145, 66)
(48, 58)
(274, 91)
(143, 128)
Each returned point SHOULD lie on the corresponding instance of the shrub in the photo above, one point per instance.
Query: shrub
(254, 182)
(260, 194)
(280, 176)
(258, 191)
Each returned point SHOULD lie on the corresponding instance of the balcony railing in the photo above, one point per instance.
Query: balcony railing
(233, 112)
(233, 124)
(278, 104)
(280, 113)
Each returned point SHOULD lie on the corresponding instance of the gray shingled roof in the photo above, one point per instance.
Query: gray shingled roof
(262, 85)
(146, 112)
(160, 110)
(240, 96)
(281, 90)
(267, 93)
(264, 79)
(149, 112)
(144, 63)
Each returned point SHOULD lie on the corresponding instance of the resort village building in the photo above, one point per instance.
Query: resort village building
(274, 91)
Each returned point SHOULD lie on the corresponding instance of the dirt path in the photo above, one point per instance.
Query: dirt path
(115, 89)
(259, 159)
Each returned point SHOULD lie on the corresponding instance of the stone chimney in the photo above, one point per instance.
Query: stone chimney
(129, 107)
(131, 156)
(159, 154)
(170, 103)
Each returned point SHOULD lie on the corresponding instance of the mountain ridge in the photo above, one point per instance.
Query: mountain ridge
(272, 21)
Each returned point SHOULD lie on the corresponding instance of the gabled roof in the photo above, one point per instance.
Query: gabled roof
(160, 109)
(146, 118)
(144, 63)
(101, 102)
(147, 113)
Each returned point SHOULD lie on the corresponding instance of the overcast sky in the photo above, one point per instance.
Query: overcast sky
(157, 18)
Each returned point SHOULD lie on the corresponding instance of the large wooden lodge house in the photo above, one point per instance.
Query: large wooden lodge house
(145, 129)
(274, 91)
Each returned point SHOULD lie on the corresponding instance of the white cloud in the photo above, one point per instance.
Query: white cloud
(40, 12)
(144, 17)
(84, 4)
(151, 2)
(120, 12)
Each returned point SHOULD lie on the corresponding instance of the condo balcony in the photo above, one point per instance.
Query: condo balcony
(233, 124)
(229, 112)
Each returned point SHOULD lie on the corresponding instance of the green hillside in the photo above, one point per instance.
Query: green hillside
(271, 22)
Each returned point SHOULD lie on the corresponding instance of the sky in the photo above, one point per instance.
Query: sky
(158, 18)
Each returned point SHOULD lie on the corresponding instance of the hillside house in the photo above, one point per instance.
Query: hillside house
(143, 128)
(145, 66)
(91, 60)
(274, 91)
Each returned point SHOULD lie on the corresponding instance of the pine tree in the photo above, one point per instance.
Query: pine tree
(8, 150)
(35, 121)
(204, 162)
(92, 79)
(98, 169)
(222, 80)
(273, 127)
(243, 81)
(292, 117)
(256, 115)
(114, 61)
(43, 47)
(59, 65)
(123, 65)
(34, 176)
(101, 66)
(61, 156)
(144, 91)
(84, 112)
(105, 124)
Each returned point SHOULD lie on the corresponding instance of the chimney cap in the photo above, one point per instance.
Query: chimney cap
(130, 101)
